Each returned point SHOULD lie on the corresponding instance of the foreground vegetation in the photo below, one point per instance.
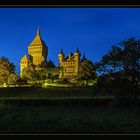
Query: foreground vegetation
(64, 111)
(69, 120)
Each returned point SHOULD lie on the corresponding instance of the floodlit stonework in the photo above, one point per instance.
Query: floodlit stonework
(69, 65)
(37, 53)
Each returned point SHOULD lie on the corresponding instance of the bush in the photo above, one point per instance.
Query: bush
(125, 92)
(63, 81)
(21, 81)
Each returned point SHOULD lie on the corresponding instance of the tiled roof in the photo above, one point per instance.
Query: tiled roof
(38, 40)
(25, 58)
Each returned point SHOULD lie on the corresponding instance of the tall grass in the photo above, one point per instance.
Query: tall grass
(69, 120)
(31, 92)
(64, 111)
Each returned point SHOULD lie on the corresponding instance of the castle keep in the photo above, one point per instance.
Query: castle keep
(37, 52)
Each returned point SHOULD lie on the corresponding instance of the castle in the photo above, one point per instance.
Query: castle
(37, 54)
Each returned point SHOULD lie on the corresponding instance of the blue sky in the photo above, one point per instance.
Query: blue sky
(92, 30)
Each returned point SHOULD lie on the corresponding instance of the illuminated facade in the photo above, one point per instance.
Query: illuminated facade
(37, 52)
(69, 65)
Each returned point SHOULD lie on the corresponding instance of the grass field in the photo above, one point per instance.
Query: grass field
(61, 118)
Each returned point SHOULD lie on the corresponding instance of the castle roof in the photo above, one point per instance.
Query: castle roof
(37, 40)
(70, 57)
(61, 51)
(25, 58)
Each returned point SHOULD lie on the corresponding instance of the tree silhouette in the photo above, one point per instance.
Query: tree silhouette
(122, 66)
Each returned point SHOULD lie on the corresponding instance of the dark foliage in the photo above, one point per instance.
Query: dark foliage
(86, 71)
(50, 64)
(120, 71)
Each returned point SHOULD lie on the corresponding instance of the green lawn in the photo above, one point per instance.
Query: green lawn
(56, 111)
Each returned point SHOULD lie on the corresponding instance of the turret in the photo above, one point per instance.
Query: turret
(77, 58)
(77, 55)
(61, 56)
(23, 64)
(84, 58)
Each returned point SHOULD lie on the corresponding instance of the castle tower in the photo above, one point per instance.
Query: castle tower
(38, 50)
(77, 59)
(24, 64)
(61, 58)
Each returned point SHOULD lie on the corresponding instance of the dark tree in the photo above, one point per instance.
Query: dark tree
(124, 60)
(86, 71)
(50, 64)
(30, 73)
(111, 62)
(7, 71)
(122, 66)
